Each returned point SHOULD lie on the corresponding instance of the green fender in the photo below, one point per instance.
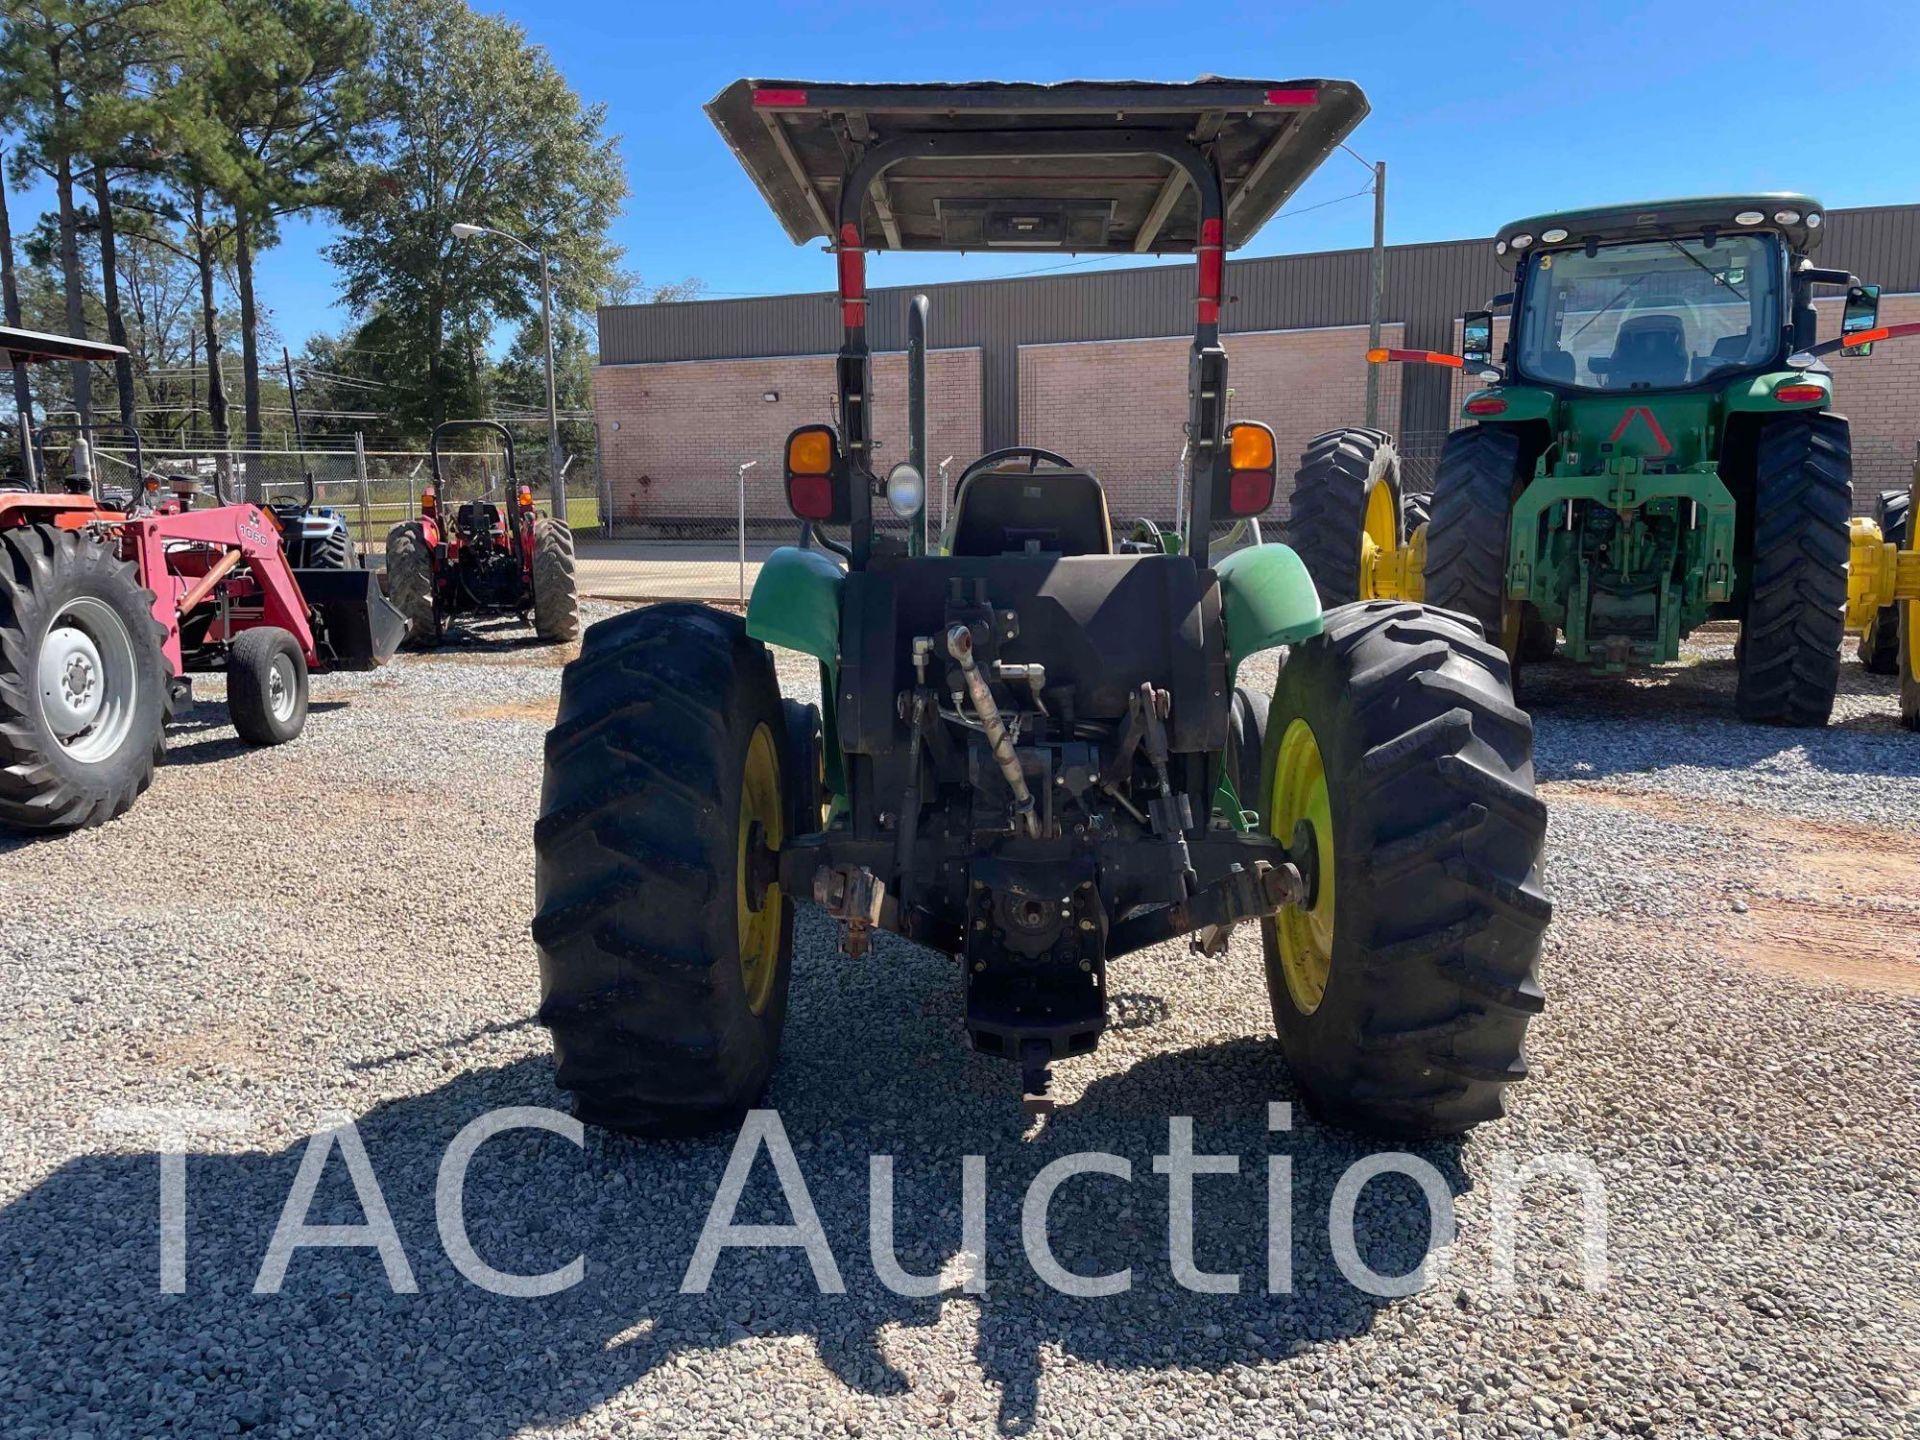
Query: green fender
(796, 603)
(1267, 598)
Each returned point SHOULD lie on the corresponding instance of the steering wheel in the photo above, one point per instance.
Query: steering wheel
(1033, 454)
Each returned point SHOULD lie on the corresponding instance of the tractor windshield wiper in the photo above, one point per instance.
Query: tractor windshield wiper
(1701, 266)
(1624, 291)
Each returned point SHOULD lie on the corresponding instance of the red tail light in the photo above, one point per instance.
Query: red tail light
(1796, 394)
(1249, 492)
(777, 99)
(1486, 405)
(1293, 97)
(810, 496)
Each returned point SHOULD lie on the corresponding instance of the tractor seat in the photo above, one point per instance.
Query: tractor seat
(1046, 512)
(478, 516)
(1649, 350)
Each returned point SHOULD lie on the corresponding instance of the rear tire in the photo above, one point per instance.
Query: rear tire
(1417, 508)
(1880, 642)
(1430, 912)
(266, 686)
(82, 721)
(1467, 539)
(1334, 491)
(1247, 746)
(410, 588)
(1790, 640)
(669, 714)
(556, 591)
(804, 768)
(331, 551)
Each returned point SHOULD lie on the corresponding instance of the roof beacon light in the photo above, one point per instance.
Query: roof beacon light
(1748, 217)
(1786, 217)
(1553, 236)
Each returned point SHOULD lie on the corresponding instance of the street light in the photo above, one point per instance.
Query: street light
(464, 231)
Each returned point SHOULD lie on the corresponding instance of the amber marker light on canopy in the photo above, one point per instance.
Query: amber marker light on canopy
(428, 500)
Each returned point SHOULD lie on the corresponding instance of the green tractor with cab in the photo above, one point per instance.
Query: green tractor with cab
(1654, 448)
(1032, 754)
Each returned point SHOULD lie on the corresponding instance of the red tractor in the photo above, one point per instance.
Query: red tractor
(495, 555)
(106, 609)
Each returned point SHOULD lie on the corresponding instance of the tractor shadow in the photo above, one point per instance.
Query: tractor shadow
(483, 634)
(88, 1330)
(217, 742)
(1591, 726)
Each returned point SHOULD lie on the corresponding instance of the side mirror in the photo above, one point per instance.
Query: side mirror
(1476, 339)
(816, 483)
(1862, 313)
(1250, 471)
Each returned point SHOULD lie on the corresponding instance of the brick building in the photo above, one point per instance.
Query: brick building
(1094, 365)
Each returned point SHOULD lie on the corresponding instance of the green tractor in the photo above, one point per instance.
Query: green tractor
(1654, 449)
(1033, 756)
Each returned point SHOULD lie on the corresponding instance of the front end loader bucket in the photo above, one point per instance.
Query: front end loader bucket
(355, 628)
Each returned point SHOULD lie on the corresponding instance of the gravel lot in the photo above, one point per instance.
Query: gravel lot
(339, 928)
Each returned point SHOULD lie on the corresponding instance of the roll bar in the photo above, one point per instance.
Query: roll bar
(85, 432)
(448, 426)
(1207, 365)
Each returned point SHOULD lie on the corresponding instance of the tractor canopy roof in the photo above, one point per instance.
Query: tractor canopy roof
(1074, 166)
(1799, 218)
(30, 347)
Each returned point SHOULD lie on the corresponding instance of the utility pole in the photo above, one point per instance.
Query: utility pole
(10, 308)
(557, 482)
(1375, 289)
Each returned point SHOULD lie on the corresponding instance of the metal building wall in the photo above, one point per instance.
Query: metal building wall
(1427, 287)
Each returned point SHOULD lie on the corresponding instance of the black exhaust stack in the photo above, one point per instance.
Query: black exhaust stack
(917, 417)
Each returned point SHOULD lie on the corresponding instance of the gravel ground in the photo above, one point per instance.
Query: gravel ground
(339, 928)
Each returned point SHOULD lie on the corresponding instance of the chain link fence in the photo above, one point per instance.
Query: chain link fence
(715, 558)
(373, 489)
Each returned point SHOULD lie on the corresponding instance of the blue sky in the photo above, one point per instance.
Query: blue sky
(1482, 111)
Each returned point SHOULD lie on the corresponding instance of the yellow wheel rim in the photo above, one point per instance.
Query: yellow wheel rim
(1305, 933)
(1511, 613)
(760, 824)
(1379, 535)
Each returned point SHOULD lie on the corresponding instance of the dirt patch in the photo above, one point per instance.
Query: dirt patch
(1830, 903)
